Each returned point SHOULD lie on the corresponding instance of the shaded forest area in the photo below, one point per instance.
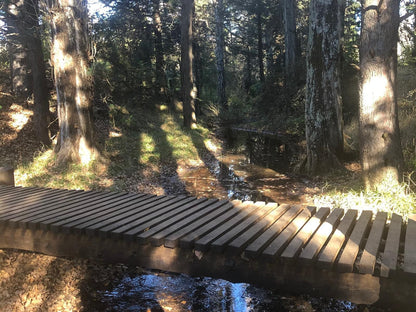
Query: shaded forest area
(141, 91)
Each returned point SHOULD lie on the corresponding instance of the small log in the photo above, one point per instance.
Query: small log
(6, 176)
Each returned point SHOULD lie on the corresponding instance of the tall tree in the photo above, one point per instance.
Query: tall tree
(323, 113)
(289, 19)
(70, 59)
(32, 37)
(19, 62)
(187, 76)
(159, 54)
(219, 54)
(381, 153)
(260, 52)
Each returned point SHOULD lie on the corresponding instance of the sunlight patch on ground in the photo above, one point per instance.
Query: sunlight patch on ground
(114, 134)
(19, 117)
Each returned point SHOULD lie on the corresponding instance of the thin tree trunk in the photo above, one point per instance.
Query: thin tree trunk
(73, 83)
(187, 76)
(219, 54)
(40, 85)
(260, 53)
(289, 19)
(159, 53)
(323, 113)
(381, 154)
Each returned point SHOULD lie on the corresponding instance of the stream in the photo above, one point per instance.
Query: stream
(246, 171)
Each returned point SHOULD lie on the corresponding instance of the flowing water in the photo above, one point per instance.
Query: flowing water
(241, 173)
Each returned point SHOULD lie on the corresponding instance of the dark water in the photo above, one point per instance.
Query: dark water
(247, 171)
(170, 292)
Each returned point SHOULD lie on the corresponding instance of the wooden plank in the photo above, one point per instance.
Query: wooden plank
(219, 208)
(368, 258)
(156, 209)
(282, 240)
(20, 197)
(391, 249)
(409, 265)
(117, 214)
(349, 254)
(153, 219)
(220, 243)
(32, 219)
(246, 208)
(294, 247)
(158, 232)
(90, 213)
(134, 213)
(238, 244)
(321, 236)
(44, 220)
(254, 248)
(102, 217)
(188, 240)
(329, 254)
(36, 210)
(11, 193)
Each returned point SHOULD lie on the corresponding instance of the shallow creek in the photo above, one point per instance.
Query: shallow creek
(229, 176)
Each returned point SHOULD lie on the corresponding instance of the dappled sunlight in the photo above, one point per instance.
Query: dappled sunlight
(375, 89)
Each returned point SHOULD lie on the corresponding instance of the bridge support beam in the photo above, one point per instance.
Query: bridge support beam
(6, 176)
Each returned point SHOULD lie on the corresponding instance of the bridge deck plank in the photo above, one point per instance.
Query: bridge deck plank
(391, 249)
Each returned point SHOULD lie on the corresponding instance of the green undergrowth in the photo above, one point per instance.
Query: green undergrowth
(140, 140)
(392, 198)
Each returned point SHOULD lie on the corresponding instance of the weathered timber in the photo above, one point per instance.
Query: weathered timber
(391, 249)
(6, 176)
(410, 246)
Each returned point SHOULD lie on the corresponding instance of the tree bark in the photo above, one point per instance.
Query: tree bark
(159, 53)
(40, 86)
(323, 112)
(260, 53)
(219, 54)
(73, 84)
(381, 153)
(289, 20)
(19, 63)
(187, 76)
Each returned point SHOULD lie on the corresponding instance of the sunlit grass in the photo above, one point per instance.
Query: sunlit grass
(395, 198)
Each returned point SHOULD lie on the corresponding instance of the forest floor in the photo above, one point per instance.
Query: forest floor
(142, 153)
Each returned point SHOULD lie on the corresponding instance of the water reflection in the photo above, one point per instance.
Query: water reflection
(168, 292)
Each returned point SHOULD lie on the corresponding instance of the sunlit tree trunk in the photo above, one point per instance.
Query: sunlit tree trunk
(159, 53)
(289, 19)
(35, 54)
(381, 153)
(219, 54)
(73, 83)
(187, 76)
(323, 113)
(19, 62)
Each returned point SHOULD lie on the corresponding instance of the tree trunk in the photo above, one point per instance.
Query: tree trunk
(247, 70)
(260, 54)
(19, 63)
(219, 54)
(159, 53)
(381, 154)
(40, 86)
(289, 19)
(73, 83)
(323, 113)
(188, 90)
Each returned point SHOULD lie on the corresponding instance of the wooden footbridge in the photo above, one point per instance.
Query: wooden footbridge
(352, 255)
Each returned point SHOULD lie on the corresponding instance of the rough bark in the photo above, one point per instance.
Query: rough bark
(19, 63)
(40, 86)
(260, 53)
(219, 54)
(323, 112)
(381, 154)
(289, 21)
(73, 84)
(187, 77)
(159, 53)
